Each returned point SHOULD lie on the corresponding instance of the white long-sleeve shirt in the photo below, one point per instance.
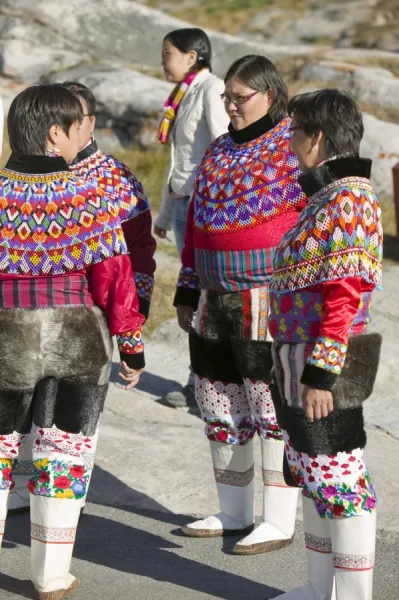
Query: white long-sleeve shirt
(201, 118)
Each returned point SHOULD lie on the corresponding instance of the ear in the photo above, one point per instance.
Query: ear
(317, 139)
(93, 123)
(192, 58)
(53, 134)
(270, 97)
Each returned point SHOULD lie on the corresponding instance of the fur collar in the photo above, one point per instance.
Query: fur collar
(252, 132)
(86, 152)
(332, 170)
(36, 164)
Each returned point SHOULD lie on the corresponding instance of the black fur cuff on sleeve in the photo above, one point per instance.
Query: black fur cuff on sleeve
(318, 378)
(186, 297)
(144, 307)
(133, 361)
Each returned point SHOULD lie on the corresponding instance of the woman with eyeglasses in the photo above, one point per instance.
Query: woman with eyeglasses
(325, 270)
(246, 196)
(193, 117)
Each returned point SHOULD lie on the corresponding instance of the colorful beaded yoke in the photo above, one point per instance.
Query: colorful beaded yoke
(54, 224)
(116, 180)
(337, 235)
(241, 186)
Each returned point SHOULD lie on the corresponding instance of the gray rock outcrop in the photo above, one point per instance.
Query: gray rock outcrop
(374, 86)
(128, 102)
(127, 32)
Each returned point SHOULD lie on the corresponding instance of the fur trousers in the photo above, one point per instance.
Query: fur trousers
(53, 383)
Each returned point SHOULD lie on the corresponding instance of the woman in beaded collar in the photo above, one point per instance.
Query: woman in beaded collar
(325, 270)
(246, 196)
(66, 286)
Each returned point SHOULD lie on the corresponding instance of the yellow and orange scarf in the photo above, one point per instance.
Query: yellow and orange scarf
(172, 104)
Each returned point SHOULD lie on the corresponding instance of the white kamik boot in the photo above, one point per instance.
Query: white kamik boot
(353, 546)
(279, 506)
(319, 554)
(53, 530)
(234, 474)
(4, 495)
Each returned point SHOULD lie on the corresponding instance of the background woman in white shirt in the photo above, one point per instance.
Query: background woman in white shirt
(193, 117)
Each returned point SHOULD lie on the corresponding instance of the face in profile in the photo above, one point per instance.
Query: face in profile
(303, 146)
(176, 64)
(87, 126)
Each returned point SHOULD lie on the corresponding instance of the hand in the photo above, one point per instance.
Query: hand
(185, 317)
(159, 232)
(130, 375)
(317, 403)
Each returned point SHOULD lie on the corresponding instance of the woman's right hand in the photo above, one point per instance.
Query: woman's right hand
(159, 232)
(131, 376)
(185, 317)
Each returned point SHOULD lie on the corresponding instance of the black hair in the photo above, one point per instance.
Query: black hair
(335, 114)
(35, 110)
(83, 93)
(260, 74)
(192, 38)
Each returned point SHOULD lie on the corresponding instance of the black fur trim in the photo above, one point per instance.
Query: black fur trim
(341, 431)
(144, 307)
(86, 152)
(16, 411)
(253, 358)
(332, 170)
(318, 378)
(253, 131)
(358, 375)
(213, 359)
(186, 297)
(356, 382)
(36, 164)
(133, 361)
(69, 405)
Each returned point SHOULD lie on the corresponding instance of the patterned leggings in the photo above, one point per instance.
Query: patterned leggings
(231, 359)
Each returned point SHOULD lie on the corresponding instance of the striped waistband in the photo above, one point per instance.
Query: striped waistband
(232, 271)
(45, 292)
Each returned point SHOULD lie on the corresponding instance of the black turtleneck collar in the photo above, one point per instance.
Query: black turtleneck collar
(253, 131)
(351, 166)
(86, 152)
(36, 164)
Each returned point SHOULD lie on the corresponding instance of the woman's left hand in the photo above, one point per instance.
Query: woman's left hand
(130, 375)
(317, 403)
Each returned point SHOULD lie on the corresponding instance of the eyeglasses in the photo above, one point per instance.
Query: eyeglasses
(238, 100)
(88, 115)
